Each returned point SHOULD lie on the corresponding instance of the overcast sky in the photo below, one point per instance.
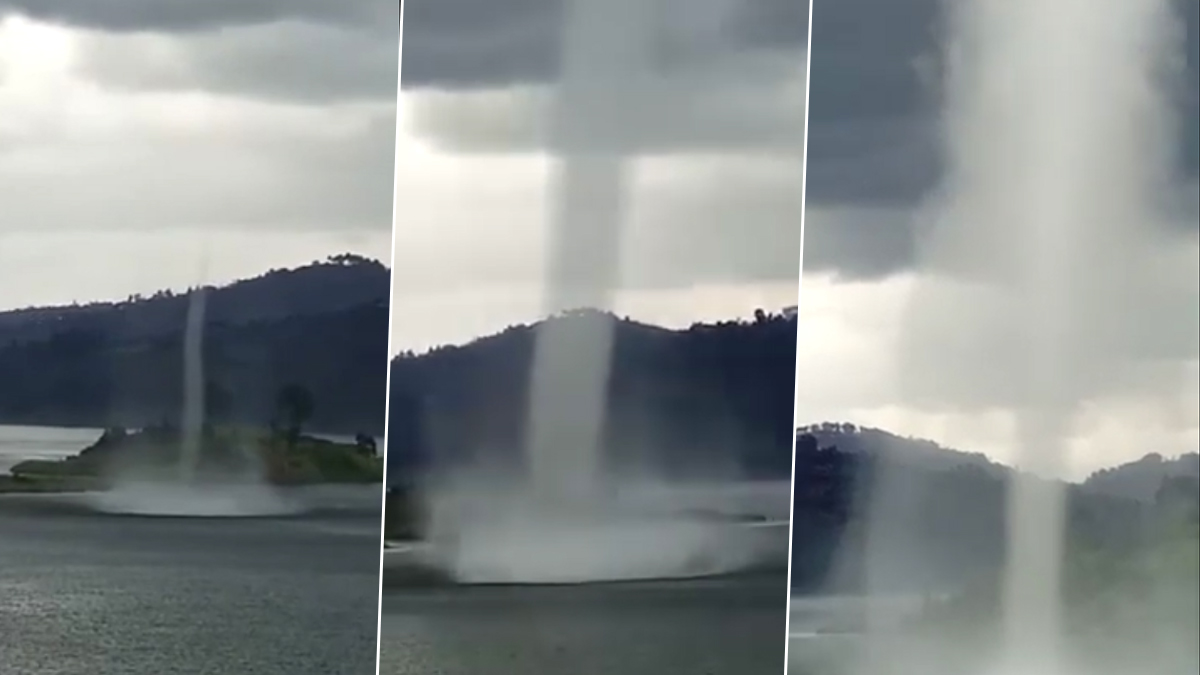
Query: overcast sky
(713, 223)
(873, 318)
(715, 120)
(133, 133)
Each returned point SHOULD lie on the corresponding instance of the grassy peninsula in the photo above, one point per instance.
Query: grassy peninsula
(155, 453)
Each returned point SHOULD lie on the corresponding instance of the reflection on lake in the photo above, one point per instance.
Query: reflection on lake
(825, 632)
(716, 626)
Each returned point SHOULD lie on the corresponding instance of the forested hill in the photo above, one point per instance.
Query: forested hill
(338, 283)
(711, 397)
(322, 327)
(938, 514)
(1141, 479)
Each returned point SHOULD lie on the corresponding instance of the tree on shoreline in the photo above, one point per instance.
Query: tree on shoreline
(295, 406)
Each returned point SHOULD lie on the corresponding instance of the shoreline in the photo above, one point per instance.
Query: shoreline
(323, 434)
(116, 456)
(18, 485)
(53, 485)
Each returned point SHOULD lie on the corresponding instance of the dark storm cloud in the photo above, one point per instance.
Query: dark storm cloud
(183, 16)
(873, 137)
(870, 114)
(452, 44)
(311, 51)
(872, 144)
(872, 107)
(872, 110)
(872, 162)
(873, 149)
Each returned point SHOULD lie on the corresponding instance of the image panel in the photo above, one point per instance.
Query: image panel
(597, 240)
(195, 261)
(996, 469)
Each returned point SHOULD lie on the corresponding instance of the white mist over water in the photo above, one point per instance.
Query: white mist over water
(490, 531)
(1057, 138)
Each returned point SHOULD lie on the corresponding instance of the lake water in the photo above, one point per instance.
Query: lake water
(725, 626)
(20, 443)
(84, 593)
(823, 631)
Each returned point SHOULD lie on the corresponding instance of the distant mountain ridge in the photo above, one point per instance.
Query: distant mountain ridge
(1137, 479)
(713, 397)
(937, 515)
(323, 326)
(857, 439)
(337, 283)
(1141, 479)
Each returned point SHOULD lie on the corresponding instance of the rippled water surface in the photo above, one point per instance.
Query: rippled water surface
(728, 626)
(83, 593)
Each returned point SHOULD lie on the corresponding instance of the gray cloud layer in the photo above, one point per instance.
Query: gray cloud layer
(488, 43)
(720, 92)
(873, 141)
(292, 60)
(871, 64)
(873, 103)
(277, 114)
(184, 16)
(311, 51)
(246, 176)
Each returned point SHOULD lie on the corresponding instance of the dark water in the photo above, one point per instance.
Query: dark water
(87, 594)
(729, 626)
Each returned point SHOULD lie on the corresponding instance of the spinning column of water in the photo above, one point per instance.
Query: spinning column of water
(192, 423)
(1056, 138)
(561, 523)
(191, 494)
(604, 45)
